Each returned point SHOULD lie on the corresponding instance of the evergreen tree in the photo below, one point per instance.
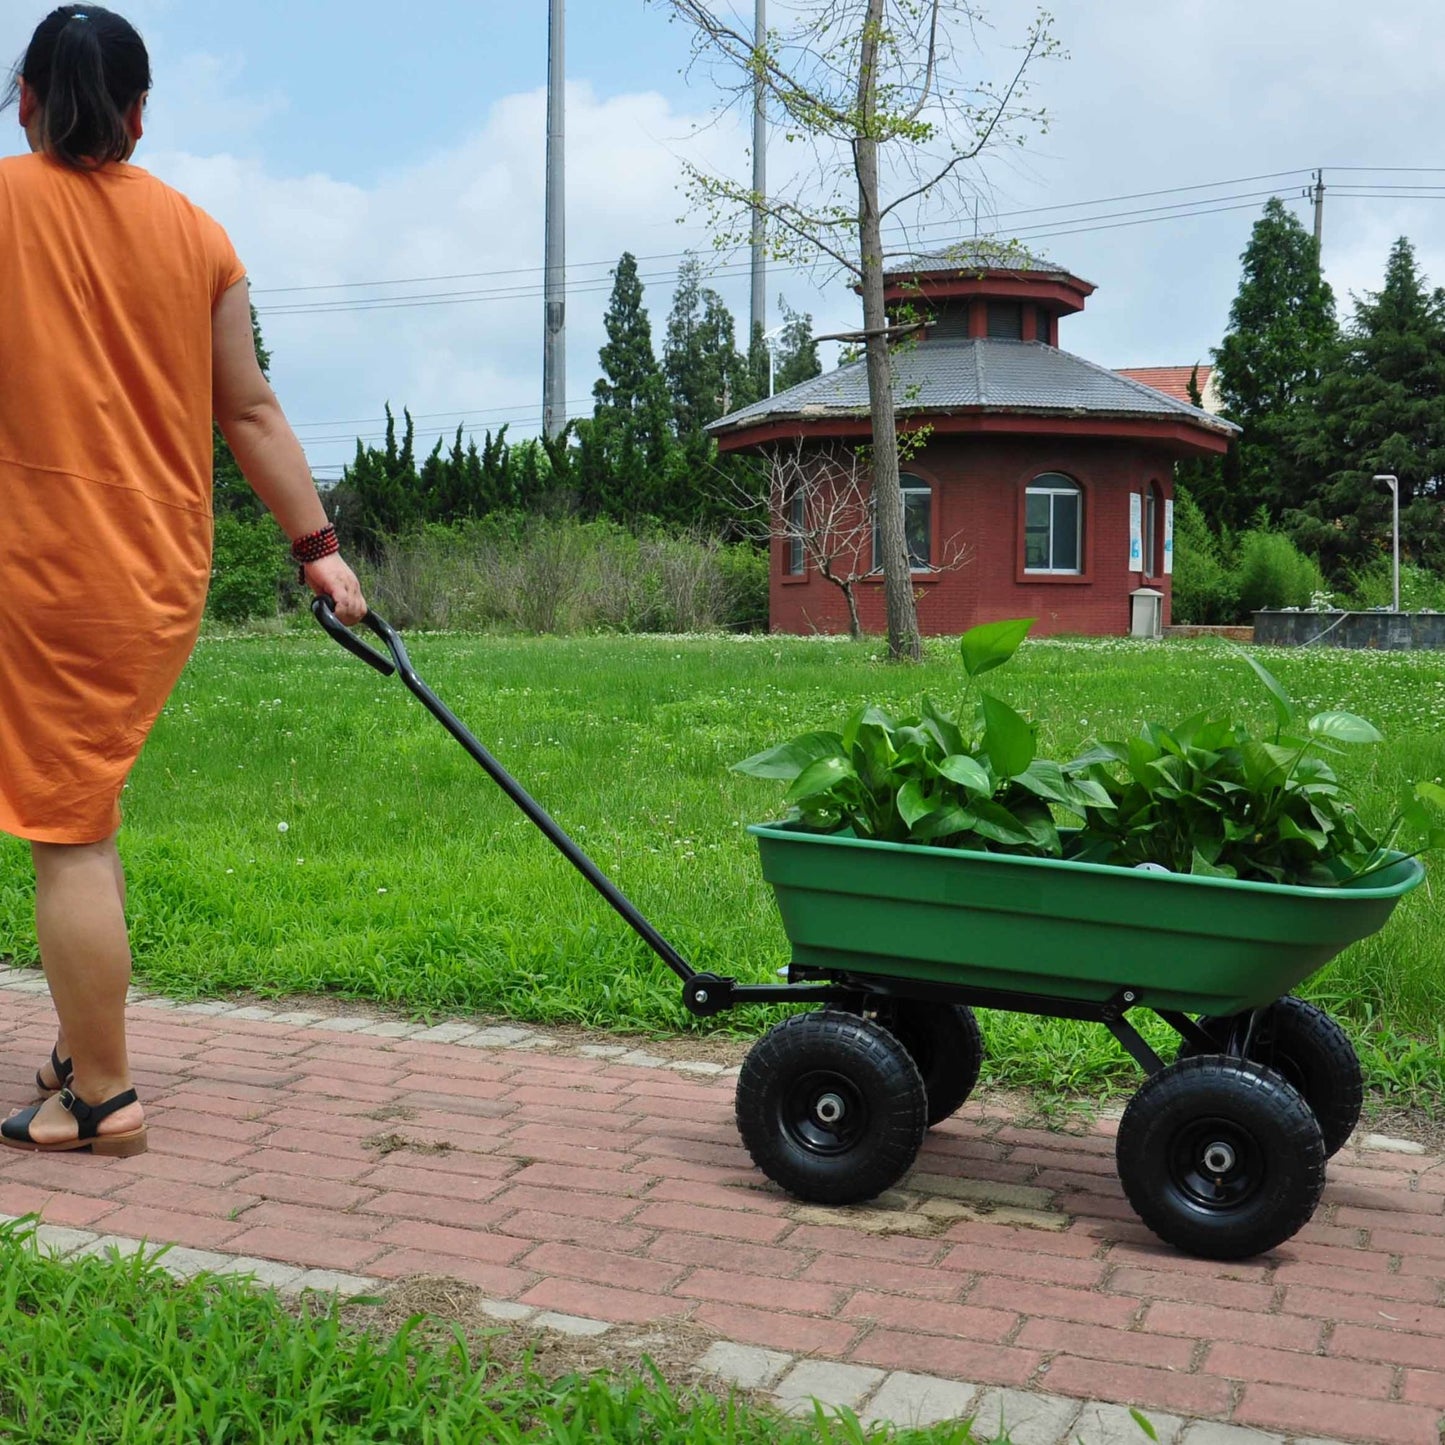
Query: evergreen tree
(1282, 337)
(797, 351)
(628, 466)
(230, 492)
(706, 376)
(1381, 409)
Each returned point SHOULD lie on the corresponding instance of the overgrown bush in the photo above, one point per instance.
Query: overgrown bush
(560, 575)
(1421, 590)
(1270, 571)
(249, 567)
(1204, 591)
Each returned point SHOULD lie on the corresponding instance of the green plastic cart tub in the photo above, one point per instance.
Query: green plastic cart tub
(1061, 930)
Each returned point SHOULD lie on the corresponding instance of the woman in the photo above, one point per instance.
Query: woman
(125, 325)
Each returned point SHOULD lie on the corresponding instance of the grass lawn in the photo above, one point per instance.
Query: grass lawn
(299, 824)
(116, 1353)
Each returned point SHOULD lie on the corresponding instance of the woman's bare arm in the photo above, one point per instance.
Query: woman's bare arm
(266, 448)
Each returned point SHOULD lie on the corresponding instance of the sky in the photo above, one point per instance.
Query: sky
(385, 165)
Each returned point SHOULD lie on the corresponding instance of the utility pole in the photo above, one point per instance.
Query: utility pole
(1319, 194)
(758, 320)
(554, 344)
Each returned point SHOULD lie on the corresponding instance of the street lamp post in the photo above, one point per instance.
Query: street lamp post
(1393, 483)
(770, 340)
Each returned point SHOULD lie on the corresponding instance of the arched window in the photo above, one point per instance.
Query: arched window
(917, 525)
(1053, 524)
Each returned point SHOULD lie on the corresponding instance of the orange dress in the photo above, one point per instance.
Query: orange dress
(107, 285)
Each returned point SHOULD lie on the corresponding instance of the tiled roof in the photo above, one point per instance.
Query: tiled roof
(979, 374)
(975, 255)
(1174, 381)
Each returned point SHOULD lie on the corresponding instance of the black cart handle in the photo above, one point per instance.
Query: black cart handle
(324, 611)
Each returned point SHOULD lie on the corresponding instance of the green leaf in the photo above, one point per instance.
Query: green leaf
(1145, 1424)
(1292, 832)
(1345, 727)
(912, 805)
(1283, 706)
(1205, 869)
(967, 772)
(1007, 738)
(944, 824)
(943, 726)
(1047, 780)
(995, 822)
(866, 717)
(819, 778)
(790, 759)
(992, 644)
(1431, 793)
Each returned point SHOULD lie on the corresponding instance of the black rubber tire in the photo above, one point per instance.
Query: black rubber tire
(831, 1107)
(945, 1042)
(1267, 1170)
(1311, 1052)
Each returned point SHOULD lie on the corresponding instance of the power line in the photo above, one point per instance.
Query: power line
(1183, 210)
(678, 255)
(460, 413)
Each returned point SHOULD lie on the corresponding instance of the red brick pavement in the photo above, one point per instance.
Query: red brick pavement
(622, 1193)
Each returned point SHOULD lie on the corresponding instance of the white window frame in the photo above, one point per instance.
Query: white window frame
(921, 490)
(795, 563)
(1068, 488)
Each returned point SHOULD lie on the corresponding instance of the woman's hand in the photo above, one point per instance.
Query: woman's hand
(331, 577)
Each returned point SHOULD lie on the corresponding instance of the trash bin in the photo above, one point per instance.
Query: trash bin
(1146, 613)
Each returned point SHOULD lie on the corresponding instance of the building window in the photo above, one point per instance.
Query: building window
(1006, 320)
(795, 562)
(1152, 512)
(1053, 525)
(917, 525)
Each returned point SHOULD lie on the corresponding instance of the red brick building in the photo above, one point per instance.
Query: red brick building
(1043, 487)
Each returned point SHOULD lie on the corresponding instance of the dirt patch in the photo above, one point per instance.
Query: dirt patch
(1413, 1124)
(673, 1347)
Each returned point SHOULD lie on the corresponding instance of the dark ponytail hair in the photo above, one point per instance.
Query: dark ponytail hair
(88, 67)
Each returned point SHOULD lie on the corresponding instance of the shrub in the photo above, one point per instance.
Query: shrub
(1421, 590)
(1203, 588)
(541, 574)
(1272, 572)
(249, 566)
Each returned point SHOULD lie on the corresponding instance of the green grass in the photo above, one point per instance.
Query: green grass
(106, 1352)
(405, 876)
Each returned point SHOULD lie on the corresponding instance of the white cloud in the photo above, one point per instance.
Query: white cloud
(476, 208)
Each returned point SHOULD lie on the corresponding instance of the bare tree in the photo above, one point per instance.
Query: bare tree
(820, 507)
(873, 86)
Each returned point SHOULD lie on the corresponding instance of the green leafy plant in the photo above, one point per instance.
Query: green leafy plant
(930, 778)
(1207, 796)
(1210, 797)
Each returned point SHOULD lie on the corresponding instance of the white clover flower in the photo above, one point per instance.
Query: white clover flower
(283, 827)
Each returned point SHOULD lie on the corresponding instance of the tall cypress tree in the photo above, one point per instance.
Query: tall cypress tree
(1282, 337)
(628, 467)
(797, 350)
(1381, 409)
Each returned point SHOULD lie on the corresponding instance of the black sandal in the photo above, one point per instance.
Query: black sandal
(15, 1131)
(63, 1071)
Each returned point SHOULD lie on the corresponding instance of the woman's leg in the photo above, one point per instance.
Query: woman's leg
(80, 925)
(61, 1043)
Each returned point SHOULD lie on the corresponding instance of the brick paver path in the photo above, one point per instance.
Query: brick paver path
(619, 1191)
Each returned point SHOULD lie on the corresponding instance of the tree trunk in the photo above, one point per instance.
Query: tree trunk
(902, 614)
(855, 627)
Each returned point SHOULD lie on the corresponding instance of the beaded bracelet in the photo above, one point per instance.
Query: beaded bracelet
(314, 546)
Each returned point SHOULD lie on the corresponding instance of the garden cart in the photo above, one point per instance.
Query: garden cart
(1222, 1149)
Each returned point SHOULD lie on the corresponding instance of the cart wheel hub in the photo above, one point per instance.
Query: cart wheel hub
(1219, 1158)
(830, 1109)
